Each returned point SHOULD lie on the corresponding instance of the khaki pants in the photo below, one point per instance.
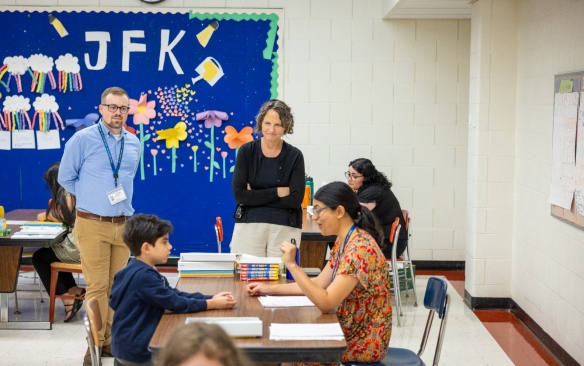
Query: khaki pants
(103, 254)
(261, 239)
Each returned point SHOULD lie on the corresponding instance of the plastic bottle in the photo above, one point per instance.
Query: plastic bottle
(310, 183)
(306, 199)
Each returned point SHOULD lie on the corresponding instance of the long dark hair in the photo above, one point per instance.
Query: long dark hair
(58, 207)
(337, 194)
(370, 174)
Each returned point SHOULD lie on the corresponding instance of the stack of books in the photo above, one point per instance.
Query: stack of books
(206, 265)
(39, 230)
(259, 268)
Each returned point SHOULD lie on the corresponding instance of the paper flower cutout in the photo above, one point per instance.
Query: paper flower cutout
(212, 118)
(173, 135)
(235, 139)
(142, 110)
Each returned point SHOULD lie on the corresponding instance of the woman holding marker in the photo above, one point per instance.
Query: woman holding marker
(355, 283)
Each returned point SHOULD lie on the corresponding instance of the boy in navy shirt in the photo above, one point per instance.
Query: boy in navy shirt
(140, 295)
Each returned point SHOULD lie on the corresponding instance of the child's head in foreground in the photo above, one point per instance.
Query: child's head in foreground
(147, 238)
(200, 344)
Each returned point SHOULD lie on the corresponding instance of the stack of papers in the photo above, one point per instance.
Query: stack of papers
(234, 326)
(39, 230)
(197, 264)
(284, 301)
(287, 332)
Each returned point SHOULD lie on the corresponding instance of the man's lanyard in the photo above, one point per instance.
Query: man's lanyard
(115, 169)
(341, 251)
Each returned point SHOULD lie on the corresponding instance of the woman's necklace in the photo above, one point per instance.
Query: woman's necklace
(342, 251)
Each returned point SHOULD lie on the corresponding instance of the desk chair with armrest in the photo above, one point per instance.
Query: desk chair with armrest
(219, 232)
(92, 327)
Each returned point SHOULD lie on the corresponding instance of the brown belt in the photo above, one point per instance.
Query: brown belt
(112, 219)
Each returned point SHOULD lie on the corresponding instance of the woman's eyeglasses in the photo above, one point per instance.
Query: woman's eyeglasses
(314, 213)
(350, 176)
(114, 108)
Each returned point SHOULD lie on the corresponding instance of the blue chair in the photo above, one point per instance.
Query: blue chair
(437, 301)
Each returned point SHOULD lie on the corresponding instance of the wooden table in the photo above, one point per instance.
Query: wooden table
(313, 245)
(10, 254)
(257, 349)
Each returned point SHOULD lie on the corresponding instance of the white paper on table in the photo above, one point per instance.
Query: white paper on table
(326, 331)
(284, 301)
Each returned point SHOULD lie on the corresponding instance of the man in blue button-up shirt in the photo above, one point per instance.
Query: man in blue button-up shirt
(98, 167)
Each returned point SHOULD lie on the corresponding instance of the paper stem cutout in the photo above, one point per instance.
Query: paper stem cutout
(143, 111)
(58, 26)
(195, 148)
(224, 155)
(212, 119)
(172, 137)
(154, 152)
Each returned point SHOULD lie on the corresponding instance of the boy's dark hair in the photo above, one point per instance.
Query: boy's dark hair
(142, 228)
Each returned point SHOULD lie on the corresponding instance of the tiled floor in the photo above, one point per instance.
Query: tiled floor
(468, 341)
(512, 336)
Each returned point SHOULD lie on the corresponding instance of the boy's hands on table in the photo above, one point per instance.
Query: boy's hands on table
(223, 300)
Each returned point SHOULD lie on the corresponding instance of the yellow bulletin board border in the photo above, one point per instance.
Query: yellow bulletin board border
(577, 78)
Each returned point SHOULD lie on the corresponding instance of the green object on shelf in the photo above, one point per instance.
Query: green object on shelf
(402, 283)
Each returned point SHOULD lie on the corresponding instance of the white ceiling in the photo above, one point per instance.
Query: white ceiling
(427, 9)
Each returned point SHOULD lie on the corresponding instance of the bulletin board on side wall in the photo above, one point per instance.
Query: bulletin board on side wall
(567, 186)
(196, 80)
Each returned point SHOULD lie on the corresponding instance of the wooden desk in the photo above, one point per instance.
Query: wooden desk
(313, 245)
(10, 252)
(257, 349)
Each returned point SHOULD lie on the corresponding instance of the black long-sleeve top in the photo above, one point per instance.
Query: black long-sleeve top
(264, 175)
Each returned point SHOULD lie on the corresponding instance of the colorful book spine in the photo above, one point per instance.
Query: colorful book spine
(275, 267)
(269, 276)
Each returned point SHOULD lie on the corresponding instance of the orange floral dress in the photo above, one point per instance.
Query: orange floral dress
(365, 315)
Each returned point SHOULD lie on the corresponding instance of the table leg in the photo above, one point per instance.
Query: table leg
(8, 279)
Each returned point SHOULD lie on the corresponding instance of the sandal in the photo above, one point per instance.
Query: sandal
(79, 303)
(73, 311)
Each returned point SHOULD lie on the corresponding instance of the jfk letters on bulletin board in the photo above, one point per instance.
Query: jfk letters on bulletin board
(195, 77)
(567, 186)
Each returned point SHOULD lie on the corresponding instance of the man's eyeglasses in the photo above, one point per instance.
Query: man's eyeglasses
(314, 213)
(352, 177)
(114, 108)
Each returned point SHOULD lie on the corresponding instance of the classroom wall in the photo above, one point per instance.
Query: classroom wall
(548, 254)
(392, 91)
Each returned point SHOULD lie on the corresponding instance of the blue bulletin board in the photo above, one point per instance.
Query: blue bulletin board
(195, 80)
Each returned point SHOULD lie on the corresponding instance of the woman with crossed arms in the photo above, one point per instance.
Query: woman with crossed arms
(355, 283)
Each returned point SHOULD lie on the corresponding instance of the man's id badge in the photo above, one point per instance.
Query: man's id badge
(116, 195)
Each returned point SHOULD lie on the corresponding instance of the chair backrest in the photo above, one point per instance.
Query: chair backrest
(92, 327)
(393, 236)
(219, 232)
(406, 214)
(437, 301)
